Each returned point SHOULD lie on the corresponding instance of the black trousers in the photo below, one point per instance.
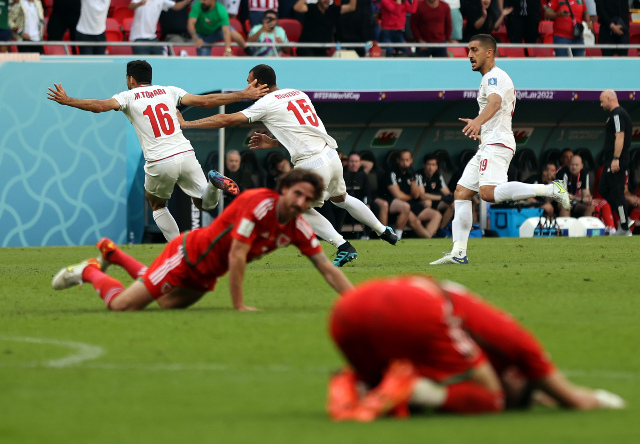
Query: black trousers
(606, 37)
(612, 189)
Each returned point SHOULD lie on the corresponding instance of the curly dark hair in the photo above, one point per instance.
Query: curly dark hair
(301, 175)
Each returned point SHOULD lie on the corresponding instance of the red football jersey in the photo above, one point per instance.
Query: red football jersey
(252, 219)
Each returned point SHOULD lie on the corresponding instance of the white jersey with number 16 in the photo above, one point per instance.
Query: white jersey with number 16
(152, 111)
(497, 130)
(292, 119)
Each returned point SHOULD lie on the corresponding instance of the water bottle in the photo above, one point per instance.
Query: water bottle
(132, 238)
(367, 48)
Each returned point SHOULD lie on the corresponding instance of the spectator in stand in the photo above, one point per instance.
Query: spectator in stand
(431, 23)
(434, 190)
(258, 8)
(356, 26)
(5, 31)
(481, 19)
(547, 176)
(145, 22)
(576, 182)
(277, 165)
(613, 16)
(320, 21)
(523, 23)
(567, 16)
(394, 20)
(269, 32)
(404, 192)
(26, 19)
(173, 24)
(232, 7)
(92, 25)
(357, 182)
(64, 16)
(233, 170)
(565, 158)
(209, 23)
(456, 20)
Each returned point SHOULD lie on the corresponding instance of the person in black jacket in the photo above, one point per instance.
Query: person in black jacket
(613, 16)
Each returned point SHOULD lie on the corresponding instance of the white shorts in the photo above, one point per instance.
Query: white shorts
(183, 169)
(327, 165)
(487, 168)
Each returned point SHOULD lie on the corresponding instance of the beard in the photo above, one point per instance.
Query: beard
(206, 7)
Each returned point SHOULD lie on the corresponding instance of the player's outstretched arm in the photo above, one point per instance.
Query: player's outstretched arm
(213, 122)
(472, 127)
(252, 92)
(237, 264)
(331, 274)
(94, 105)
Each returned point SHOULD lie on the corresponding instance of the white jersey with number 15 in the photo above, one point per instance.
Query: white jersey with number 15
(152, 111)
(292, 119)
(498, 130)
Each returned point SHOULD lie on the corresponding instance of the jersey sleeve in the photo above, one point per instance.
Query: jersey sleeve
(305, 239)
(124, 99)
(256, 112)
(176, 94)
(618, 123)
(496, 84)
(253, 215)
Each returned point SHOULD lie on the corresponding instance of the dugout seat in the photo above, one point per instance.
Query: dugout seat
(445, 164)
(526, 164)
(552, 155)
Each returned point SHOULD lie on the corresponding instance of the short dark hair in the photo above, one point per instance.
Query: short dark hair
(486, 41)
(264, 74)
(429, 157)
(270, 11)
(140, 70)
(301, 175)
(354, 153)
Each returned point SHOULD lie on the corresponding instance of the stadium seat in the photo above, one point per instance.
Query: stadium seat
(535, 51)
(113, 24)
(292, 27)
(445, 164)
(55, 49)
(634, 29)
(116, 4)
(526, 164)
(501, 34)
(113, 35)
(116, 36)
(457, 52)
(235, 24)
(247, 26)
(511, 52)
(218, 51)
(122, 12)
(545, 27)
(190, 50)
(126, 27)
(552, 155)
(593, 52)
(47, 6)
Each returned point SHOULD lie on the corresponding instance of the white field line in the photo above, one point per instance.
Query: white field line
(81, 352)
(86, 352)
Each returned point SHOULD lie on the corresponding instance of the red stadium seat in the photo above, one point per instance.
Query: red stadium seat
(113, 35)
(593, 52)
(120, 50)
(545, 27)
(235, 24)
(218, 51)
(501, 34)
(511, 52)
(112, 24)
(55, 50)
(634, 28)
(126, 27)
(292, 27)
(190, 50)
(122, 12)
(535, 51)
(457, 52)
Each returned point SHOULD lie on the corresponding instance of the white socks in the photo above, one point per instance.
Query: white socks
(166, 223)
(427, 393)
(461, 225)
(210, 197)
(360, 212)
(323, 227)
(512, 191)
(399, 233)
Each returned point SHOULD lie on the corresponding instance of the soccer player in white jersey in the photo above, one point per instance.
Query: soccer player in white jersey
(292, 119)
(169, 156)
(486, 172)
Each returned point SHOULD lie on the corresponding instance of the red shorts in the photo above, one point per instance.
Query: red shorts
(386, 320)
(170, 270)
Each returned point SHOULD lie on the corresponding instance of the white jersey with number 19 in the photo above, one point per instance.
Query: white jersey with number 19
(292, 119)
(152, 111)
(497, 130)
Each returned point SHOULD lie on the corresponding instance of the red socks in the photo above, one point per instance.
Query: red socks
(133, 266)
(468, 397)
(605, 215)
(106, 287)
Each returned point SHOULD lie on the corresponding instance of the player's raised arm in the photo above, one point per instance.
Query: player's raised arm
(214, 122)
(94, 105)
(331, 274)
(237, 264)
(260, 141)
(252, 92)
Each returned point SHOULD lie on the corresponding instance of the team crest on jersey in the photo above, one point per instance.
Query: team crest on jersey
(493, 81)
(283, 241)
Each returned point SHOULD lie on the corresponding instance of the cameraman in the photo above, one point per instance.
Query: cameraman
(269, 32)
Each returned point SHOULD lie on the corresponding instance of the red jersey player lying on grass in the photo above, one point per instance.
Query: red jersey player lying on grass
(257, 222)
(436, 346)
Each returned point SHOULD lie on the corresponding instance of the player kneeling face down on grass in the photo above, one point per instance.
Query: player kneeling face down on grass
(409, 345)
(257, 222)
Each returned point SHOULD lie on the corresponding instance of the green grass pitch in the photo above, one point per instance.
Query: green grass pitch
(73, 372)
